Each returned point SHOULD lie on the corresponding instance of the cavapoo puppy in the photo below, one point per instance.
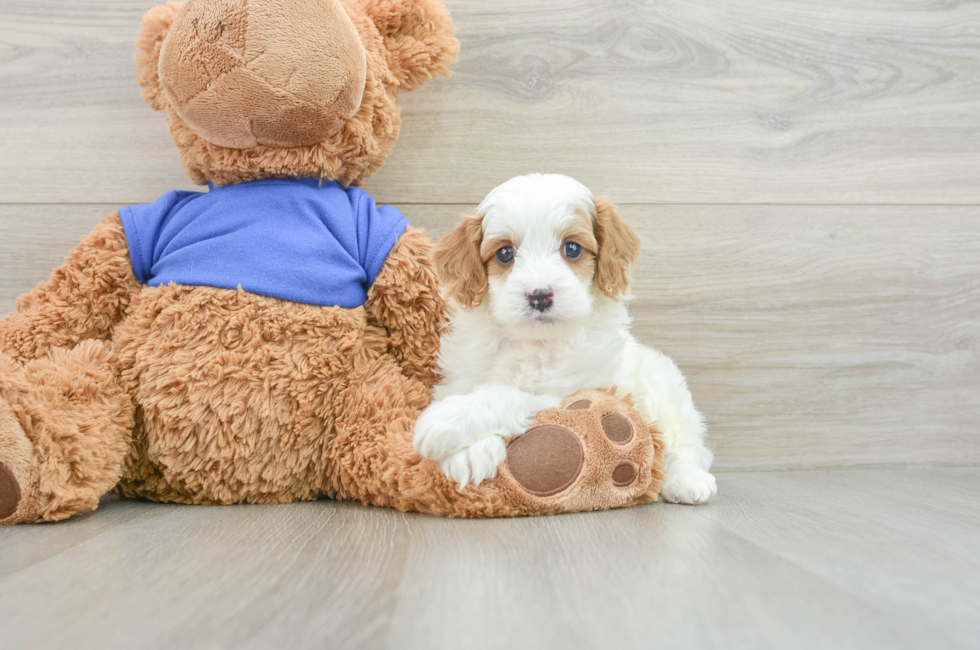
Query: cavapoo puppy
(540, 277)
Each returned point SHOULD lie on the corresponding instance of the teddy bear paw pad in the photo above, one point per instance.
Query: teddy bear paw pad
(9, 492)
(546, 460)
(617, 428)
(624, 474)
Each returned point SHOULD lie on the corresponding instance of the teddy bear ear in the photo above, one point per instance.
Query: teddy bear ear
(418, 37)
(153, 30)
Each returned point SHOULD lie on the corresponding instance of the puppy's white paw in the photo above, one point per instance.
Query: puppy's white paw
(442, 429)
(455, 423)
(519, 421)
(544, 402)
(689, 485)
(476, 463)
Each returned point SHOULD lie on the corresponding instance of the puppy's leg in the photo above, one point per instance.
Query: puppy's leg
(686, 481)
(662, 394)
(465, 433)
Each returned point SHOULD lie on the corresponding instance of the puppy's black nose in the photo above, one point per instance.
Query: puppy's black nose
(541, 299)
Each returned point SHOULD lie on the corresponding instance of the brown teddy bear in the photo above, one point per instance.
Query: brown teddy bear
(273, 339)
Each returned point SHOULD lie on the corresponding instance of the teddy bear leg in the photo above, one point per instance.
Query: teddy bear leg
(370, 457)
(65, 428)
(593, 453)
(17, 468)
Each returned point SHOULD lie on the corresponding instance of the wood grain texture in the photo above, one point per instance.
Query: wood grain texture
(721, 101)
(811, 336)
(820, 559)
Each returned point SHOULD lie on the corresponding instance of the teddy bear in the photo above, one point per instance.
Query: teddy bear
(274, 338)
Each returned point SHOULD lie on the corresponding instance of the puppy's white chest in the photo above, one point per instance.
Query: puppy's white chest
(532, 373)
(526, 366)
(545, 369)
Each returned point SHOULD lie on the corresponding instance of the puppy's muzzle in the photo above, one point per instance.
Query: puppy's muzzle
(541, 299)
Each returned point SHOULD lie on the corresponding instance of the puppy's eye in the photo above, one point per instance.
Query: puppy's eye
(572, 250)
(505, 255)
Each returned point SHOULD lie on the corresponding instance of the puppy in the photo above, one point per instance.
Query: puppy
(539, 276)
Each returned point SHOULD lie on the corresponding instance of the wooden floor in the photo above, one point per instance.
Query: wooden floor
(805, 177)
(878, 558)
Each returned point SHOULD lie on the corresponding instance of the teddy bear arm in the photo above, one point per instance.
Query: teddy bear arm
(405, 300)
(84, 298)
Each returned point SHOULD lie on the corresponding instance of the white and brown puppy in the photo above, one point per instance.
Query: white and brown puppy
(540, 276)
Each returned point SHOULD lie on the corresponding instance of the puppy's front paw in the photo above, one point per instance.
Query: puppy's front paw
(442, 430)
(689, 485)
(544, 402)
(476, 463)
(515, 422)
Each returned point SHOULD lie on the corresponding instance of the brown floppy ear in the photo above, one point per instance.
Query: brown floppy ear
(153, 30)
(618, 249)
(457, 258)
(418, 38)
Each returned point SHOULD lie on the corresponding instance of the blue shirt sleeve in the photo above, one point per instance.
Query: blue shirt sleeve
(378, 230)
(142, 223)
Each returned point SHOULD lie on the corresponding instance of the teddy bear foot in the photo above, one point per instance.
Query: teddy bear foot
(593, 453)
(18, 476)
(9, 492)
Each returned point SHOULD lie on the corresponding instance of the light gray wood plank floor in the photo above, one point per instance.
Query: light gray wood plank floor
(874, 558)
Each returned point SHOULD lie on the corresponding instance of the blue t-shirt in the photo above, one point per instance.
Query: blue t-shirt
(295, 239)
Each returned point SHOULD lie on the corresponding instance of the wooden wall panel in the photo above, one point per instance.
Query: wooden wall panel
(811, 335)
(720, 101)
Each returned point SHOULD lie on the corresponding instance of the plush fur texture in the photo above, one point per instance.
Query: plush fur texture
(507, 355)
(85, 298)
(280, 73)
(200, 395)
(217, 396)
(405, 301)
(77, 418)
(405, 42)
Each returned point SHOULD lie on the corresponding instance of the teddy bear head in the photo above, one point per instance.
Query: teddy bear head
(277, 88)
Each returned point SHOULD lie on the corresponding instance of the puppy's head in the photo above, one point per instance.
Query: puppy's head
(540, 250)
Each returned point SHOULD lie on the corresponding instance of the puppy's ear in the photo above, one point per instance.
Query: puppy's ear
(618, 249)
(459, 265)
(153, 30)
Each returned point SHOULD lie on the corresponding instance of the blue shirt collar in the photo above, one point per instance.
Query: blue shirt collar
(312, 182)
